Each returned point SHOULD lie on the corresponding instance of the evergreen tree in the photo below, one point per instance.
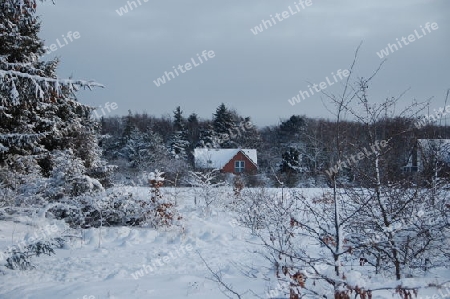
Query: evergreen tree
(231, 130)
(192, 135)
(178, 120)
(39, 113)
(192, 130)
(178, 144)
(245, 134)
(290, 167)
(129, 127)
(209, 138)
(291, 161)
(144, 150)
(292, 129)
(19, 42)
(223, 121)
(223, 126)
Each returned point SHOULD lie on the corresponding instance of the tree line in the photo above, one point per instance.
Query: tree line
(297, 152)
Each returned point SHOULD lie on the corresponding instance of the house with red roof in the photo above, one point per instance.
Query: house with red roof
(234, 161)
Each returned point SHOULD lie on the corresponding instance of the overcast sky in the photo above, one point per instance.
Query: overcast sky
(255, 74)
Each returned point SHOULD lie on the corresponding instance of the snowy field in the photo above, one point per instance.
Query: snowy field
(136, 263)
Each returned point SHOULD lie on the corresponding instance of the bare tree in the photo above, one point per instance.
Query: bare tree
(206, 185)
(379, 204)
(217, 277)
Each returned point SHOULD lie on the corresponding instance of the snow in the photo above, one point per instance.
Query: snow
(218, 158)
(134, 262)
(251, 154)
(57, 82)
(84, 269)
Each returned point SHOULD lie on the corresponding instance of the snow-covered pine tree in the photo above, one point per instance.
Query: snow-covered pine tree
(178, 119)
(143, 150)
(291, 129)
(39, 113)
(18, 32)
(245, 134)
(178, 144)
(291, 161)
(290, 166)
(224, 124)
(129, 126)
(192, 128)
(208, 138)
(68, 176)
(223, 120)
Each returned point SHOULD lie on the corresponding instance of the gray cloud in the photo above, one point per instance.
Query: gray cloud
(254, 74)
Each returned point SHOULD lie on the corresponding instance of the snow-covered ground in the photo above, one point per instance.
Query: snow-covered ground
(102, 263)
(128, 263)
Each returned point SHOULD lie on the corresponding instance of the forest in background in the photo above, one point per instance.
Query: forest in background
(296, 152)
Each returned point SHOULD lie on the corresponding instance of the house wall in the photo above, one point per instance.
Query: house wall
(249, 166)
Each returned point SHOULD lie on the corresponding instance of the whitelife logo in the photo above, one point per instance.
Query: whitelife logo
(187, 67)
(46, 233)
(391, 48)
(70, 36)
(438, 114)
(109, 108)
(124, 9)
(440, 293)
(319, 87)
(147, 269)
(266, 24)
(356, 158)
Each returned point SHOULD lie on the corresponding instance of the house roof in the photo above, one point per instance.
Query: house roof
(218, 158)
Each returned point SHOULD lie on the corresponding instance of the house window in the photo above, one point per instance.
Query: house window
(410, 168)
(239, 166)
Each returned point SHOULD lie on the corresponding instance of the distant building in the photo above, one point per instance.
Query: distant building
(426, 152)
(227, 160)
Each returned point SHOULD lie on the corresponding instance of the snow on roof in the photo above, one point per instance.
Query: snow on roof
(218, 158)
(251, 154)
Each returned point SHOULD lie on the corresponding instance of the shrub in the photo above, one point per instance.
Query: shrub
(20, 260)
